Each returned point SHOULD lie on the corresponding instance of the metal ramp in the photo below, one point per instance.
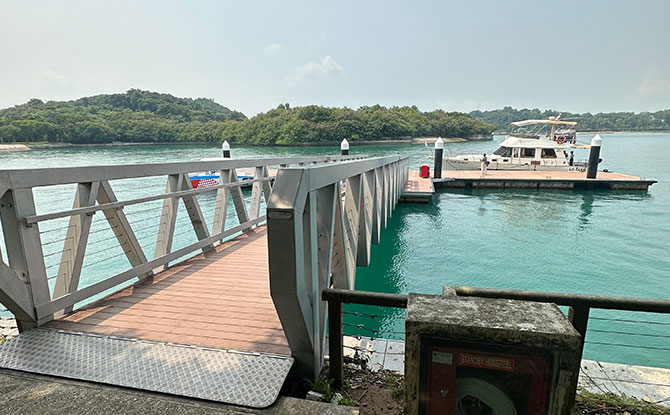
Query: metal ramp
(240, 378)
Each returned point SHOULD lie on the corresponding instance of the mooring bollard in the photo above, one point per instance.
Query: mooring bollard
(439, 150)
(594, 157)
(344, 147)
(226, 149)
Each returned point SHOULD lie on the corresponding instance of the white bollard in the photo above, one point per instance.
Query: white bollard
(344, 147)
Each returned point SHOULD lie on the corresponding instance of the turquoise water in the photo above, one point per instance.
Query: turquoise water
(598, 242)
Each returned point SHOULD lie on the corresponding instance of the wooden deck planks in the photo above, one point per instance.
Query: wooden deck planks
(417, 189)
(216, 299)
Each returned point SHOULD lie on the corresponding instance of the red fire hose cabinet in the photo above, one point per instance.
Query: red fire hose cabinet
(467, 355)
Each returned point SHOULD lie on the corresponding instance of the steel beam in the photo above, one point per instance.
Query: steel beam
(168, 219)
(221, 205)
(74, 248)
(238, 200)
(24, 247)
(195, 213)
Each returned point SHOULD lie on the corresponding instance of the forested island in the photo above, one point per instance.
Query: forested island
(601, 122)
(315, 124)
(140, 116)
(134, 116)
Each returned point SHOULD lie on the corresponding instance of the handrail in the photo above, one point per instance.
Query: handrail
(321, 223)
(80, 211)
(571, 299)
(335, 299)
(364, 298)
(21, 178)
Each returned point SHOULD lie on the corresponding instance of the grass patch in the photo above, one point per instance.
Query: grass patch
(610, 404)
(382, 392)
(323, 385)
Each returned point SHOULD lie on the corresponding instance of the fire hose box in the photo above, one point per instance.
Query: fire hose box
(468, 355)
(424, 171)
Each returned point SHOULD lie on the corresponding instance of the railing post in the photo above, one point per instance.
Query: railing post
(335, 342)
(579, 317)
(26, 259)
(166, 227)
(238, 200)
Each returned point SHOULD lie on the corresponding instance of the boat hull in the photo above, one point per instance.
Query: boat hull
(450, 164)
(199, 182)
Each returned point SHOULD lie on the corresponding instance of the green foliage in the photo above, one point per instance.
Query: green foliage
(134, 116)
(322, 385)
(609, 403)
(316, 124)
(613, 121)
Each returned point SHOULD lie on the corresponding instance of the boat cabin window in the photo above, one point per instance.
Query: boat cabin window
(527, 152)
(503, 151)
(548, 153)
(516, 152)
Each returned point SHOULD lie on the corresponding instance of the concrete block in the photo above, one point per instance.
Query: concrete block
(470, 327)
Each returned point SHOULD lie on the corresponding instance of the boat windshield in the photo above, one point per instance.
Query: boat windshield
(503, 151)
(551, 129)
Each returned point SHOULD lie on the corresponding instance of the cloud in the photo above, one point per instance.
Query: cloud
(273, 49)
(654, 84)
(314, 72)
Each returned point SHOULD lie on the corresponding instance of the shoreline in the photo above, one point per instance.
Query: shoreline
(415, 140)
(23, 146)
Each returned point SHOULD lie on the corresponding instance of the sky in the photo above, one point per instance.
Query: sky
(577, 56)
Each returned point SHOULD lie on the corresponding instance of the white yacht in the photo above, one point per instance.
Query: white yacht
(528, 147)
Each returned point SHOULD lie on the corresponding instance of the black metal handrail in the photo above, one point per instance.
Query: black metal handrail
(337, 297)
(571, 299)
(579, 305)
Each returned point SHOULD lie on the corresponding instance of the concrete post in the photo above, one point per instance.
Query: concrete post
(594, 157)
(226, 149)
(439, 150)
(344, 147)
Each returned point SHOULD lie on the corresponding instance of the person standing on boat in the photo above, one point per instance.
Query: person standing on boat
(572, 158)
(485, 161)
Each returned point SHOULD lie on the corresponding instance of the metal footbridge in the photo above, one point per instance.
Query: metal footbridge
(199, 301)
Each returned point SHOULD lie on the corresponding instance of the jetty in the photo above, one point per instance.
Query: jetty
(209, 293)
(532, 179)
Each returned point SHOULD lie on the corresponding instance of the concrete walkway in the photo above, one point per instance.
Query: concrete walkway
(642, 382)
(26, 394)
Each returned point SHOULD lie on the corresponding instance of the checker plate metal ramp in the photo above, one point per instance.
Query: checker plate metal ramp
(240, 378)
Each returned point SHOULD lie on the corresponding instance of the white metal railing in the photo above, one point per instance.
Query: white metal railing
(34, 297)
(321, 221)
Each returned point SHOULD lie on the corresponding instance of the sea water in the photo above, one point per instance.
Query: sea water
(595, 242)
